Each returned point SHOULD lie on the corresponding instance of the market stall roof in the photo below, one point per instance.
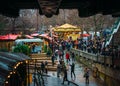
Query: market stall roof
(9, 37)
(28, 36)
(66, 27)
(85, 35)
(46, 36)
(20, 41)
(74, 36)
(7, 62)
(35, 34)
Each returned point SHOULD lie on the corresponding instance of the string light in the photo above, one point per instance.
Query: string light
(26, 61)
(14, 72)
(6, 82)
(8, 76)
(15, 67)
(10, 72)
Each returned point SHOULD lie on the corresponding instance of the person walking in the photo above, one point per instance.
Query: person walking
(73, 56)
(73, 70)
(53, 59)
(86, 75)
(46, 67)
(65, 78)
(42, 66)
(67, 56)
(58, 69)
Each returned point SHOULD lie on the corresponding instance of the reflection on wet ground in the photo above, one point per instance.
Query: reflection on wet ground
(53, 80)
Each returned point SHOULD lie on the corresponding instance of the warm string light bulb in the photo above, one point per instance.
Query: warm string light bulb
(8, 76)
(6, 82)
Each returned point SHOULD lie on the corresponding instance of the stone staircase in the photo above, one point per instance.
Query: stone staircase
(38, 58)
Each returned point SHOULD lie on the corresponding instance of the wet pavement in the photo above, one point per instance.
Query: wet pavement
(53, 80)
(79, 80)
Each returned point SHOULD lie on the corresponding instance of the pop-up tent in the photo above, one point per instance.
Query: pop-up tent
(66, 28)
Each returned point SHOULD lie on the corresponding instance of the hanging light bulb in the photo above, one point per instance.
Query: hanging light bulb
(10, 72)
(14, 72)
(15, 67)
(26, 61)
(8, 76)
(6, 82)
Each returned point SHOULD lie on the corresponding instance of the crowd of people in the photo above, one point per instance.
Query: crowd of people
(96, 45)
(66, 58)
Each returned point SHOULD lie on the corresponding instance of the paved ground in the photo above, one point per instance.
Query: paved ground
(53, 80)
(79, 80)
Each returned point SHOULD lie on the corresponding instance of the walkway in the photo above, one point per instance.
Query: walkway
(79, 80)
(53, 80)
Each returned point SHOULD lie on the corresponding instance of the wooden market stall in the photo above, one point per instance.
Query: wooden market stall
(35, 44)
(65, 30)
(7, 41)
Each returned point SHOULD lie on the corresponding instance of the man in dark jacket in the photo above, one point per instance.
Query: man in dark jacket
(65, 78)
(73, 70)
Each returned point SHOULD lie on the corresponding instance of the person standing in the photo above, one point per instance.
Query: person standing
(58, 69)
(65, 78)
(86, 75)
(73, 70)
(53, 59)
(42, 66)
(67, 56)
(73, 56)
(46, 67)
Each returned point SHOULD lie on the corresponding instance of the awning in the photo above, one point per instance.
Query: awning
(35, 34)
(28, 36)
(20, 41)
(7, 63)
(9, 37)
(85, 35)
(46, 36)
(67, 28)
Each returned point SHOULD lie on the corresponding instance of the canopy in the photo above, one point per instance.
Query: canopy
(35, 34)
(20, 41)
(7, 62)
(29, 40)
(9, 37)
(74, 36)
(85, 35)
(66, 27)
(28, 36)
(46, 36)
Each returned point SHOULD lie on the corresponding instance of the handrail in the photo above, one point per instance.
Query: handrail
(36, 81)
(96, 58)
(103, 63)
(40, 77)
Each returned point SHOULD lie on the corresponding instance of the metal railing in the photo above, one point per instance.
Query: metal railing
(38, 79)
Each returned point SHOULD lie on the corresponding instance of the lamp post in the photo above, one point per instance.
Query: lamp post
(51, 36)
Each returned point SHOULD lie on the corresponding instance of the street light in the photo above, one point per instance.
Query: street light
(51, 36)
